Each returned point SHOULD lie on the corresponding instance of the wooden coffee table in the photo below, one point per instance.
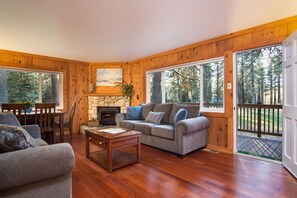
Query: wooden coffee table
(114, 149)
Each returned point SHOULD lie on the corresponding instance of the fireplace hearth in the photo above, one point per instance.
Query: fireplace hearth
(106, 115)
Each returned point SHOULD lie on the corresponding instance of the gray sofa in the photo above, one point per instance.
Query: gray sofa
(41, 171)
(185, 136)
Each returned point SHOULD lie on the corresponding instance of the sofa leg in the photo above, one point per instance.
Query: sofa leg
(180, 156)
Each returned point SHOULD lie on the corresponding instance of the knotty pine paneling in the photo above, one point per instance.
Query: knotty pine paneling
(75, 78)
(221, 130)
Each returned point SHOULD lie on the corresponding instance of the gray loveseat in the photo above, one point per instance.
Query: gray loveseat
(185, 136)
(42, 171)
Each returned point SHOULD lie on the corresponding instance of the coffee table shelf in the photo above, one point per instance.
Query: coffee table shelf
(119, 159)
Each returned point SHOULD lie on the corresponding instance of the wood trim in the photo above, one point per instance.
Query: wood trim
(2, 51)
(219, 148)
(108, 63)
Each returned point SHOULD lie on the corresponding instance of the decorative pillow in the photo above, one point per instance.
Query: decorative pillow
(174, 110)
(154, 117)
(146, 108)
(166, 108)
(13, 138)
(180, 115)
(133, 113)
(9, 118)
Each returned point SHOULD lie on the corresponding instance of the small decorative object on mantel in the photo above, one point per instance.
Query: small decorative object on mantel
(93, 123)
(91, 87)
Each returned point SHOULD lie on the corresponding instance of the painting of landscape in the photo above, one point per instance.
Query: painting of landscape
(109, 77)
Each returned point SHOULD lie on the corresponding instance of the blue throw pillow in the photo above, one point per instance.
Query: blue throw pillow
(180, 115)
(133, 113)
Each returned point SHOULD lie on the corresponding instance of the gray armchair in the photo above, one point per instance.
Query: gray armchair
(42, 171)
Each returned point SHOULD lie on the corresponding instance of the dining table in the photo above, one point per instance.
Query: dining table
(58, 114)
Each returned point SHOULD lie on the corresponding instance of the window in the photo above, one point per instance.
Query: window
(198, 82)
(213, 85)
(36, 86)
(156, 87)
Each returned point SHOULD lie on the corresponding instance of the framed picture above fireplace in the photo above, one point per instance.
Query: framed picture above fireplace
(109, 76)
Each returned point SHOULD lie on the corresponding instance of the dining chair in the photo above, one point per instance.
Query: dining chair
(44, 116)
(69, 123)
(19, 110)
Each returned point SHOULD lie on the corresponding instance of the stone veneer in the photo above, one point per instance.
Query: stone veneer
(106, 101)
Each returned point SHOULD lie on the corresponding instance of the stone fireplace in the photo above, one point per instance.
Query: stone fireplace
(122, 102)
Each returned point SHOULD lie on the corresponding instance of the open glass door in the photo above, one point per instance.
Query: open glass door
(259, 87)
(290, 103)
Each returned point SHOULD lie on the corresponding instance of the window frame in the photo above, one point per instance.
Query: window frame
(40, 72)
(200, 63)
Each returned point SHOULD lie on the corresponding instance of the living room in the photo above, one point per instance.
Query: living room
(34, 37)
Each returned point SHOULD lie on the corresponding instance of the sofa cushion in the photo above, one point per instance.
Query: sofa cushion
(9, 118)
(129, 124)
(192, 109)
(164, 131)
(166, 108)
(146, 108)
(144, 127)
(180, 115)
(13, 138)
(154, 117)
(133, 113)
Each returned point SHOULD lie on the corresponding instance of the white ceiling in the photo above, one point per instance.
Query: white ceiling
(124, 30)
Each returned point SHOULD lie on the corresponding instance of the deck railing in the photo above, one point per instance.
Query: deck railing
(260, 119)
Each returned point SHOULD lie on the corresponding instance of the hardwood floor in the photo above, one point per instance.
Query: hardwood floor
(162, 174)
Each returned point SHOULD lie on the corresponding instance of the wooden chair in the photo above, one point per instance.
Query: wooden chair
(19, 110)
(69, 123)
(44, 116)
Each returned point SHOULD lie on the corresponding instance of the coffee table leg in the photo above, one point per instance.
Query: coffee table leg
(138, 149)
(109, 157)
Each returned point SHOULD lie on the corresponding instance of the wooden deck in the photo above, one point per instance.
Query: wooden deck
(269, 147)
(200, 174)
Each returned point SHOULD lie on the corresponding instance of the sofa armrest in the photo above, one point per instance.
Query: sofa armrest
(33, 130)
(120, 117)
(192, 125)
(27, 166)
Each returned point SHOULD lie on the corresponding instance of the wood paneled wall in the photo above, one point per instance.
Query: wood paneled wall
(221, 130)
(109, 90)
(75, 78)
